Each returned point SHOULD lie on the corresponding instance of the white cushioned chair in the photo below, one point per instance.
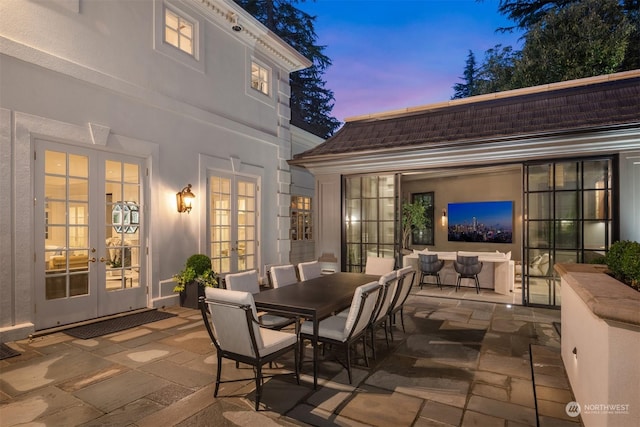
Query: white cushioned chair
(345, 331)
(379, 266)
(381, 316)
(247, 281)
(283, 275)
(309, 270)
(234, 330)
(403, 287)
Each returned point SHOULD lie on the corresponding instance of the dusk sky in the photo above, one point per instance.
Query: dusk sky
(393, 54)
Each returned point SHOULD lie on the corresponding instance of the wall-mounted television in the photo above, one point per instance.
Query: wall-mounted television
(486, 222)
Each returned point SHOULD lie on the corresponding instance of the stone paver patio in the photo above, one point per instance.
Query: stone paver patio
(460, 363)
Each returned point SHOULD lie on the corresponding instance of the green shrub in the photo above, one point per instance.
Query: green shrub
(199, 262)
(197, 269)
(623, 261)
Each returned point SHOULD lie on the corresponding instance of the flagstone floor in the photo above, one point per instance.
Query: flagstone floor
(460, 363)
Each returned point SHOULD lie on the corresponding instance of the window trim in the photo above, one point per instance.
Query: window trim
(195, 61)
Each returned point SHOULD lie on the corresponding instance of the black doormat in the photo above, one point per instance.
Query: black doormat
(117, 324)
(7, 352)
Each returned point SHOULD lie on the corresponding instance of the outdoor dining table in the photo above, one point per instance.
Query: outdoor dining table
(314, 300)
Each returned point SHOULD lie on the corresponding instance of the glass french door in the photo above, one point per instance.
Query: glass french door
(233, 202)
(88, 222)
(370, 219)
(569, 219)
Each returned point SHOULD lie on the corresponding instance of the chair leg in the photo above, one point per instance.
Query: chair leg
(477, 285)
(391, 325)
(215, 393)
(301, 356)
(364, 348)
(373, 343)
(438, 280)
(458, 283)
(402, 319)
(258, 385)
(349, 362)
(386, 336)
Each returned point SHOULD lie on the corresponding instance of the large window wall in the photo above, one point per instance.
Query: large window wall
(569, 219)
(370, 219)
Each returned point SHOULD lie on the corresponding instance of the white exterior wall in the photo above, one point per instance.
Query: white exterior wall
(602, 371)
(92, 74)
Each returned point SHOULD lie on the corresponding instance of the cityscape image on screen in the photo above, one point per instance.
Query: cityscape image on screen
(487, 222)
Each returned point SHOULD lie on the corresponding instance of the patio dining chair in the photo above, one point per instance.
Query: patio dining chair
(283, 275)
(346, 331)
(247, 281)
(309, 270)
(403, 287)
(379, 266)
(380, 318)
(234, 330)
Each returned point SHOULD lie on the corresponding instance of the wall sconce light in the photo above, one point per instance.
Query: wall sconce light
(184, 199)
(443, 220)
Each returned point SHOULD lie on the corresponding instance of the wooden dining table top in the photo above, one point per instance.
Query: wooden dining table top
(315, 298)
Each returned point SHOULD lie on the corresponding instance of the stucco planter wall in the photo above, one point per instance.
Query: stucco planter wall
(601, 345)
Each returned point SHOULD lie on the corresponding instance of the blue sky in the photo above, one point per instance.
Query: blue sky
(393, 54)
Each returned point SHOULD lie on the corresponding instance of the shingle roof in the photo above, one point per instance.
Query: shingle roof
(557, 108)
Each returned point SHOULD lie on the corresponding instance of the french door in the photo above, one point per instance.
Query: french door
(88, 226)
(233, 230)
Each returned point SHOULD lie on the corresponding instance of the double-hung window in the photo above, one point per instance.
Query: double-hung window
(260, 78)
(179, 31)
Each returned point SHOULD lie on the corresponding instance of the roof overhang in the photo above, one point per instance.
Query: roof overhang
(512, 149)
(227, 14)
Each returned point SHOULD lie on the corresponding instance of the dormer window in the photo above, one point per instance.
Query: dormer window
(179, 31)
(260, 78)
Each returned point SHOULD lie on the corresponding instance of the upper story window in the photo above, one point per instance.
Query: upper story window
(260, 78)
(179, 31)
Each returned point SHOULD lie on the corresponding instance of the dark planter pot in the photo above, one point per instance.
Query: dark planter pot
(189, 297)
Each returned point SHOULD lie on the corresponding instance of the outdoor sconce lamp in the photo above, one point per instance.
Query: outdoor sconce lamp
(184, 199)
(444, 217)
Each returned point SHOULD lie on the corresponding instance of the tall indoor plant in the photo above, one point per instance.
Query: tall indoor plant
(191, 281)
(413, 217)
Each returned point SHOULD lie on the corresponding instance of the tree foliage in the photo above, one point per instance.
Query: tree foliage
(583, 39)
(468, 88)
(563, 40)
(311, 102)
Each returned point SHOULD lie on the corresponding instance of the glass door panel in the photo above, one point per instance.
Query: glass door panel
(233, 224)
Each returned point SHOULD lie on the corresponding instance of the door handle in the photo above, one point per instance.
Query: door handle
(102, 259)
(92, 259)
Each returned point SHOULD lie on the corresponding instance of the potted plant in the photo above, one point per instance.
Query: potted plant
(192, 280)
(413, 217)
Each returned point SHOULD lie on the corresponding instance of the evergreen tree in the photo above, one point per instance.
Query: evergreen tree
(468, 88)
(564, 39)
(311, 102)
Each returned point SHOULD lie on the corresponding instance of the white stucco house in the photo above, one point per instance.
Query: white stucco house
(108, 109)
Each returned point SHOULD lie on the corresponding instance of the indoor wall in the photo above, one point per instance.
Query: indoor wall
(470, 185)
